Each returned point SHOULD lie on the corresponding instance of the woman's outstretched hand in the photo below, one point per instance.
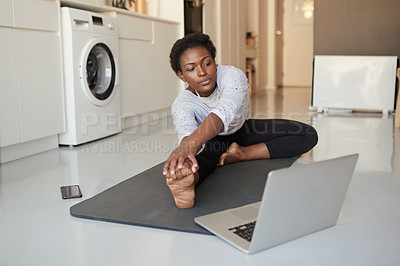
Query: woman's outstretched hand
(186, 151)
(191, 144)
(180, 174)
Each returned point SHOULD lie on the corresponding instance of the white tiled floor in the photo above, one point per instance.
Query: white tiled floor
(36, 228)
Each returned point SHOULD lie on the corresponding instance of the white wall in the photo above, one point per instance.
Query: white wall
(212, 25)
(267, 45)
(225, 23)
(251, 17)
(97, 2)
(297, 48)
(171, 10)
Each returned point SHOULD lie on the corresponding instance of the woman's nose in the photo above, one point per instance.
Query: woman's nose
(201, 72)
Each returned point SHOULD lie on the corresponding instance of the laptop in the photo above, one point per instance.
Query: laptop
(297, 201)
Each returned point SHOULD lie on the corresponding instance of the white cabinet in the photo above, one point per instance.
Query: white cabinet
(135, 28)
(167, 84)
(147, 82)
(9, 106)
(136, 76)
(36, 14)
(39, 84)
(31, 99)
(6, 14)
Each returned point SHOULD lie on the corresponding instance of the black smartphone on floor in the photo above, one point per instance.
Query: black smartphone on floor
(70, 192)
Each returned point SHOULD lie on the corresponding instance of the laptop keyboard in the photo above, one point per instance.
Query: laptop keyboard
(244, 231)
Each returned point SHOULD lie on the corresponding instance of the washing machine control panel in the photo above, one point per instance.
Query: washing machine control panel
(80, 20)
(97, 20)
(103, 24)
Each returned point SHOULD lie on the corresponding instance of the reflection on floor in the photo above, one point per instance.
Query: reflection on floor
(290, 103)
(36, 228)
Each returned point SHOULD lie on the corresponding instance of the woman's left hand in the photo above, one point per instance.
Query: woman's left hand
(186, 150)
(191, 144)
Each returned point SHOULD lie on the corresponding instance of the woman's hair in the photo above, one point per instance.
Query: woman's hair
(188, 42)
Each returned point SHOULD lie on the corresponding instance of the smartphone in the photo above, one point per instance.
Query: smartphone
(70, 192)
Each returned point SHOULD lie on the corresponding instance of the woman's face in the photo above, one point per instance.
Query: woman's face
(199, 71)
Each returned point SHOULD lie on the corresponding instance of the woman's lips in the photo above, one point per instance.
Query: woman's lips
(205, 82)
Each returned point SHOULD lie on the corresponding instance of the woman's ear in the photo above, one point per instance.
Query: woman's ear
(180, 75)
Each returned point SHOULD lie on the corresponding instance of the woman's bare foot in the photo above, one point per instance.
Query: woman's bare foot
(236, 153)
(233, 154)
(183, 190)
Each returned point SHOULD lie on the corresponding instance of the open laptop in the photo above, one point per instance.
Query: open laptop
(297, 201)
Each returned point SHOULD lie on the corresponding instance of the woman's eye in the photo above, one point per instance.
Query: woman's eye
(190, 69)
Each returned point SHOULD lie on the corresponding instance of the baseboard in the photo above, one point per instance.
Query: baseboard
(20, 150)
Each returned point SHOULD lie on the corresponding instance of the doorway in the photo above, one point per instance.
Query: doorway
(293, 43)
(193, 13)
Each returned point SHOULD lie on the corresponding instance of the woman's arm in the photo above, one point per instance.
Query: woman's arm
(191, 144)
(232, 106)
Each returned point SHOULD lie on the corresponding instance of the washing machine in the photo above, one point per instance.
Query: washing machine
(90, 55)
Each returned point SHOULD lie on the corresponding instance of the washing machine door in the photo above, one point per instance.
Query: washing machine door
(99, 72)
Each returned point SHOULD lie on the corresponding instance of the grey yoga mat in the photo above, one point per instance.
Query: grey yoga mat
(145, 199)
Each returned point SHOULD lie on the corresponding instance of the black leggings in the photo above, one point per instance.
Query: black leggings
(284, 138)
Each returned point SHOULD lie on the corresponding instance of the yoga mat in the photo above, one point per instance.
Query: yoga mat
(145, 199)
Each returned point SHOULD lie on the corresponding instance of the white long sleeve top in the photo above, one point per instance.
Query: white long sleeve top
(229, 102)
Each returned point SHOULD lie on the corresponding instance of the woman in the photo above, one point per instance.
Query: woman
(210, 120)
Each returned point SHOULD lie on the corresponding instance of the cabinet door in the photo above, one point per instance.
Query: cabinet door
(147, 81)
(9, 106)
(6, 13)
(137, 77)
(39, 83)
(167, 84)
(135, 28)
(36, 14)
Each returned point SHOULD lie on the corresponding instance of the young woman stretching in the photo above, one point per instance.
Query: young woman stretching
(210, 120)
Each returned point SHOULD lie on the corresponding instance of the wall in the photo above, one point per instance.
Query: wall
(266, 45)
(224, 22)
(97, 2)
(212, 24)
(297, 46)
(357, 27)
(171, 10)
